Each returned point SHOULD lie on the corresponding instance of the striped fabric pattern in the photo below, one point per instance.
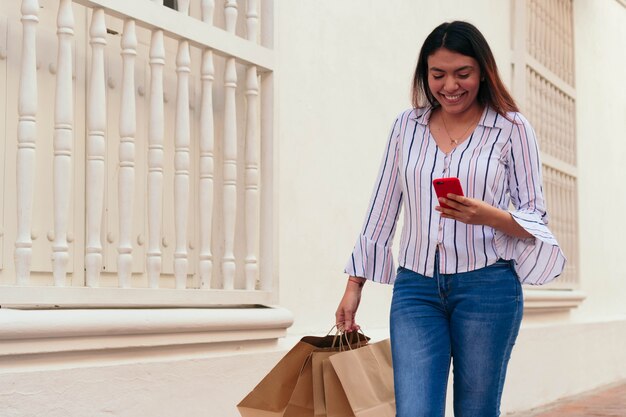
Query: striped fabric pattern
(499, 164)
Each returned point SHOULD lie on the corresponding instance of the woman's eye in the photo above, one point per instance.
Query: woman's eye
(463, 76)
(437, 77)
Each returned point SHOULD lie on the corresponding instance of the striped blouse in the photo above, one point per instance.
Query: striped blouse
(499, 164)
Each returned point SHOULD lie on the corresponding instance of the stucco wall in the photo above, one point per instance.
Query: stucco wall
(601, 126)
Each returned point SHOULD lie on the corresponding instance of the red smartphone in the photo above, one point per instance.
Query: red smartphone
(445, 186)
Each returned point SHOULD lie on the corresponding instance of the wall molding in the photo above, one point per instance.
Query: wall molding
(548, 301)
(34, 332)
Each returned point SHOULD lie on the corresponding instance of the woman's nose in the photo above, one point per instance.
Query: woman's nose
(450, 85)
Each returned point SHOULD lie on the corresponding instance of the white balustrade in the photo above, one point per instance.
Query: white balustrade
(63, 141)
(26, 140)
(96, 126)
(550, 36)
(546, 64)
(126, 173)
(252, 214)
(552, 112)
(182, 157)
(155, 159)
(230, 156)
(207, 139)
(160, 159)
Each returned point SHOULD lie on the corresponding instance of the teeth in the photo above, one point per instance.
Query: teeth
(452, 98)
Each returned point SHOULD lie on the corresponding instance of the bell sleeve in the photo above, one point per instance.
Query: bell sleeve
(538, 259)
(372, 257)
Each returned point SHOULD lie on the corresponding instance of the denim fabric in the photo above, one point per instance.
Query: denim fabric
(471, 318)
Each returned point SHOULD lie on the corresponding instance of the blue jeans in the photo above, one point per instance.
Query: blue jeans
(472, 318)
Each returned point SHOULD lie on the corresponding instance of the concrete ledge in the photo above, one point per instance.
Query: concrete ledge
(543, 301)
(51, 331)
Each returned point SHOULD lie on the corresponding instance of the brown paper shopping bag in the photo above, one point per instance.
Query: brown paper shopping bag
(301, 401)
(366, 376)
(309, 386)
(336, 402)
(270, 397)
(319, 399)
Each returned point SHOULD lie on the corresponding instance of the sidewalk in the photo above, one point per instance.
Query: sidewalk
(603, 402)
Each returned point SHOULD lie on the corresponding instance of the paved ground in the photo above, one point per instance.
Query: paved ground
(608, 401)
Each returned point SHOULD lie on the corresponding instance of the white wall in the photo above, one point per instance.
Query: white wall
(601, 127)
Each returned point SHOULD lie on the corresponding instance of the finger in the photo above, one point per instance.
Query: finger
(454, 204)
(354, 326)
(347, 323)
(339, 319)
(459, 199)
(446, 216)
(451, 203)
(448, 202)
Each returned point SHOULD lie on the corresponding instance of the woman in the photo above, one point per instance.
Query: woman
(457, 293)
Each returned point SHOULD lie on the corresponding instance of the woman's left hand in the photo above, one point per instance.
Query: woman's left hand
(467, 210)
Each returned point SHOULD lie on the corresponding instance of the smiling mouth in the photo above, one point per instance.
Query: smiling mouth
(452, 98)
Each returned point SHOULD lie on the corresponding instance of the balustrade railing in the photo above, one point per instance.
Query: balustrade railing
(177, 189)
(544, 86)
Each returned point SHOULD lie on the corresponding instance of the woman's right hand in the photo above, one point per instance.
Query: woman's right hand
(345, 314)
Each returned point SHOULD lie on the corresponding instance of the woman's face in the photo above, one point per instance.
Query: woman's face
(454, 80)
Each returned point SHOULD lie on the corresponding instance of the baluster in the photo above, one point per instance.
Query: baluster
(571, 124)
(570, 43)
(562, 40)
(549, 115)
(567, 141)
(540, 32)
(155, 158)
(206, 157)
(568, 134)
(573, 227)
(96, 125)
(252, 214)
(530, 27)
(183, 7)
(207, 6)
(554, 115)
(252, 20)
(230, 155)
(548, 34)
(230, 15)
(556, 38)
(541, 99)
(181, 159)
(126, 178)
(531, 91)
(63, 141)
(558, 119)
(562, 202)
(574, 207)
(556, 95)
(26, 140)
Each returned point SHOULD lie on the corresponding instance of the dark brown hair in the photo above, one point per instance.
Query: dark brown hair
(465, 39)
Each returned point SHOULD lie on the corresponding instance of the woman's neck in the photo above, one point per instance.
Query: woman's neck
(464, 117)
